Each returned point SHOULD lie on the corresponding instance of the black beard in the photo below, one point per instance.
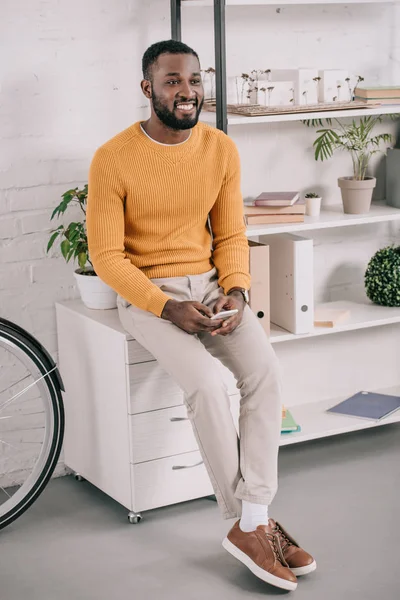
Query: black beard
(170, 120)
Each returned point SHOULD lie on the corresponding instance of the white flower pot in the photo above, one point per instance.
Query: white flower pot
(94, 292)
(313, 207)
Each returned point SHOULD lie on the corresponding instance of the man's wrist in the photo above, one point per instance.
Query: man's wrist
(167, 306)
(238, 291)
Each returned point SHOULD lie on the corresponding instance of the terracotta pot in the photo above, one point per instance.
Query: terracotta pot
(356, 194)
(94, 292)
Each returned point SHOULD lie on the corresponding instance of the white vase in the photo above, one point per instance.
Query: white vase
(313, 207)
(94, 292)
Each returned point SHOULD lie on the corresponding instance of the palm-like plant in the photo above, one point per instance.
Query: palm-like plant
(357, 139)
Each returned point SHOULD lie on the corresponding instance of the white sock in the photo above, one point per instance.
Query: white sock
(252, 516)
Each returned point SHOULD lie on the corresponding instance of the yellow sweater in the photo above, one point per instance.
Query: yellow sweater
(147, 213)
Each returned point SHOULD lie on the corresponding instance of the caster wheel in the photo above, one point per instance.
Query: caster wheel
(134, 518)
(79, 477)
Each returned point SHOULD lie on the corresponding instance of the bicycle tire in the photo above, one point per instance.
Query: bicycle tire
(43, 361)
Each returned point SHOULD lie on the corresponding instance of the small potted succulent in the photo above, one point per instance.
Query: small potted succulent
(74, 245)
(313, 204)
(359, 141)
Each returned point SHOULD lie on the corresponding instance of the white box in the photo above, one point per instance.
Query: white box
(333, 86)
(238, 90)
(281, 94)
(306, 89)
(291, 282)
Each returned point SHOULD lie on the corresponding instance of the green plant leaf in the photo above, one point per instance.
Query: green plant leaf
(53, 237)
(65, 245)
(317, 122)
(82, 259)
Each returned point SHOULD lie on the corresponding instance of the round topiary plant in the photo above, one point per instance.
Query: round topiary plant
(382, 277)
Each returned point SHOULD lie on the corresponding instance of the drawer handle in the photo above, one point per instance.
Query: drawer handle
(177, 467)
(176, 419)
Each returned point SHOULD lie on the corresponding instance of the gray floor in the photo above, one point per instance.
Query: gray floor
(338, 496)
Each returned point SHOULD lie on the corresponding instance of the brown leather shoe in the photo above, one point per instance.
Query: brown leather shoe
(260, 551)
(299, 561)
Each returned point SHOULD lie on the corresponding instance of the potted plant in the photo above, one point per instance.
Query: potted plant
(382, 277)
(359, 141)
(94, 292)
(313, 204)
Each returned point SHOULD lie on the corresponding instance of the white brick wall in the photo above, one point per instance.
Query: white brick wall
(71, 81)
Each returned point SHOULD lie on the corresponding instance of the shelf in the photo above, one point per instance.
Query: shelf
(332, 216)
(284, 2)
(363, 315)
(210, 117)
(316, 423)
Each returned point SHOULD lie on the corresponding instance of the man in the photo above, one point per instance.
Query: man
(153, 191)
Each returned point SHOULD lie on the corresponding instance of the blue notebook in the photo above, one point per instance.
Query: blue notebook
(368, 405)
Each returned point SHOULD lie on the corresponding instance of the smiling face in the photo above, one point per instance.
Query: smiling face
(175, 90)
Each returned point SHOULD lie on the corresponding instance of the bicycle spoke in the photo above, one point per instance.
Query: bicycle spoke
(14, 384)
(18, 394)
(6, 493)
(7, 444)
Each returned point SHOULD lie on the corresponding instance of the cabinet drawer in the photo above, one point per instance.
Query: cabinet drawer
(169, 481)
(166, 432)
(161, 433)
(135, 353)
(152, 388)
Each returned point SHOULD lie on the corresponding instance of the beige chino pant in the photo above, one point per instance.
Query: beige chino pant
(244, 469)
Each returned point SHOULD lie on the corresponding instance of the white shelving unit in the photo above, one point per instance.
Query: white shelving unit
(316, 423)
(392, 109)
(330, 217)
(362, 315)
(312, 416)
(284, 2)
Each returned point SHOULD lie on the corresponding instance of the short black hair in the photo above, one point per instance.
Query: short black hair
(166, 47)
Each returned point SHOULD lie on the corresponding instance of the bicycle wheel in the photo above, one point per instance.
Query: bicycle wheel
(31, 420)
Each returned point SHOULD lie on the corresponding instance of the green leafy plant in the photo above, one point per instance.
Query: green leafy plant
(382, 277)
(357, 139)
(74, 242)
(312, 195)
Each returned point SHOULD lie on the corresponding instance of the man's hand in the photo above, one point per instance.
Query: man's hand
(234, 300)
(189, 316)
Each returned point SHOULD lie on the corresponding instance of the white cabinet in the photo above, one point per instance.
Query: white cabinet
(127, 430)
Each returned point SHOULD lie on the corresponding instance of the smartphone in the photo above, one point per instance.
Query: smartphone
(225, 314)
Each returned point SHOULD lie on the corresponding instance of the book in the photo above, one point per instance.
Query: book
(368, 405)
(329, 317)
(277, 198)
(289, 425)
(269, 219)
(377, 92)
(299, 208)
(371, 101)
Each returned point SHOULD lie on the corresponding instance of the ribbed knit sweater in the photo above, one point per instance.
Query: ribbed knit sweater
(148, 207)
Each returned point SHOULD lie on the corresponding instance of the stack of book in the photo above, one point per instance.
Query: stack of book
(275, 207)
(289, 425)
(382, 94)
